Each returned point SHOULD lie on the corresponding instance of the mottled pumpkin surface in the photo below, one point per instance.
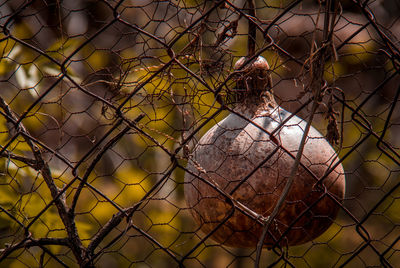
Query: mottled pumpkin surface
(232, 149)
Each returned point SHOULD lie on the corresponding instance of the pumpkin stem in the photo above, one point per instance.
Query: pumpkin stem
(253, 81)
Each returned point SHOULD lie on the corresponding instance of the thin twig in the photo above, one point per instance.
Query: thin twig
(223, 35)
(252, 31)
(288, 185)
(97, 158)
(317, 61)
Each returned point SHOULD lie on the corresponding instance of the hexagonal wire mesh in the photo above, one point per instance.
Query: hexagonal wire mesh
(102, 103)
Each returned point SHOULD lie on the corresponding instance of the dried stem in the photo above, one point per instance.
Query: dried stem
(288, 185)
(317, 62)
(252, 31)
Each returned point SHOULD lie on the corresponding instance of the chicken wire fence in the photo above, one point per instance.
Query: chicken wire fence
(103, 102)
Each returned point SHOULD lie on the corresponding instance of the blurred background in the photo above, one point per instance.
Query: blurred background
(102, 102)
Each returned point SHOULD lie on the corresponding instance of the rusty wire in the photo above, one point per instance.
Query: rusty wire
(102, 102)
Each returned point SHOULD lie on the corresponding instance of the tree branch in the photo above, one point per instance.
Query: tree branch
(43, 167)
(30, 242)
(28, 161)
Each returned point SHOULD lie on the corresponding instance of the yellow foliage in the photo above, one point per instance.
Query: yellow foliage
(164, 224)
(98, 59)
(22, 31)
(360, 52)
(333, 70)
(32, 204)
(129, 174)
(389, 67)
(84, 229)
(332, 234)
(131, 185)
(393, 210)
(8, 50)
(62, 48)
(3, 130)
(102, 211)
(130, 195)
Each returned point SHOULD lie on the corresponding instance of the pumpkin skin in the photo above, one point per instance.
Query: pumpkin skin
(233, 148)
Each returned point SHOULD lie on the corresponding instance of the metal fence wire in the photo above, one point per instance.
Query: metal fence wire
(103, 104)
